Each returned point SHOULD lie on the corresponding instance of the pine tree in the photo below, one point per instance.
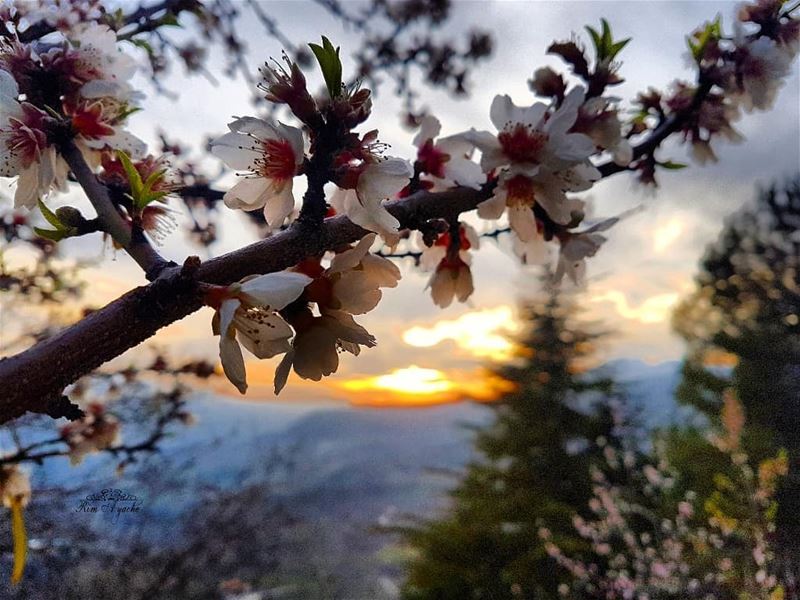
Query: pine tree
(532, 475)
(746, 310)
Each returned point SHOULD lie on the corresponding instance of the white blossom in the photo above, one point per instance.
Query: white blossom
(448, 158)
(269, 155)
(364, 204)
(248, 316)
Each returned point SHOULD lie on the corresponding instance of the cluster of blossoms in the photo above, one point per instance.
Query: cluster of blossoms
(64, 15)
(640, 552)
(529, 169)
(742, 72)
(273, 314)
(95, 431)
(76, 86)
(71, 89)
(449, 257)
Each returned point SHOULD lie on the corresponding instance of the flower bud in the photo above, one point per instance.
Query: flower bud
(283, 86)
(547, 83)
(70, 216)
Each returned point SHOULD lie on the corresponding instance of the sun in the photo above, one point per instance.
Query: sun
(407, 380)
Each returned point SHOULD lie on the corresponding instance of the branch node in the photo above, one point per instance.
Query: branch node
(190, 266)
(61, 406)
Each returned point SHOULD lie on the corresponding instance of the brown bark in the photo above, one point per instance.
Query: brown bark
(34, 379)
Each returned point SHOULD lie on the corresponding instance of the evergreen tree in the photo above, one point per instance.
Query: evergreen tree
(746, 310)
(533, 473)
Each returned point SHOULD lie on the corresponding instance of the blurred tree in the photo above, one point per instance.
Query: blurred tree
(742, 324)
(534, 472)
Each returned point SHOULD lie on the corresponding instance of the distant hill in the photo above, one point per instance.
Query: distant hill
(343, 470)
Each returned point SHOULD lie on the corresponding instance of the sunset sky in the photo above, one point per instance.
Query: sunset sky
(440, 355)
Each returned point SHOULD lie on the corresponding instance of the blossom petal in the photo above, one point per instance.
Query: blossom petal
(266, 336)
(233, 362)
(237, 151)
(384, 179)
(279, 206)
(567, 113)
(464, 172)
(295, 137)
(274, 291)
(443, 287)
(522, 221)
(250, 193)
(350, 259)
(429, 128)
(493, 207)
(282, 372)
(261, 129)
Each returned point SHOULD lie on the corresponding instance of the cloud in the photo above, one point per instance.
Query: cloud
(481, 333)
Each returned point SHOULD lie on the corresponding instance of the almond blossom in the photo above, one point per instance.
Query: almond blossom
(101, 63)
(24, 149)
(579, 245)
(349, 286)
(363, 204)
(96, 431)
(446, 159)
(451, 259)
(599, 119)
(761, 67)
(540, 161)
(247, 314)
(269, 154)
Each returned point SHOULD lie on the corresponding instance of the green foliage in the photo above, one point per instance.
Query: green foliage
(60, 231)
(330, 64)
(142, 192)
(699, 41)
(741, 324)
(605, 48)
(672, 166)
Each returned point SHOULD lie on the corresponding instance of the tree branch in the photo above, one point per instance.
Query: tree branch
(32, 378)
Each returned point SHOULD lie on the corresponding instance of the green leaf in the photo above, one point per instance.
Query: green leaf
(330, 64)
(617, 47)
(51, 217)
(672, 166)
(144, 44)
(698, 42)
(596, 40)
(55, 235)
(134, 179)
(607, 40)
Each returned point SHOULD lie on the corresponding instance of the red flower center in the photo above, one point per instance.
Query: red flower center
(432, 159)
(463, 242)
(89, 122)
(278, 162)
(522, 144)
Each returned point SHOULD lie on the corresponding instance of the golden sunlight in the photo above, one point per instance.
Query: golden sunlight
(409, 380)
(482, 333)
(418, 386)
